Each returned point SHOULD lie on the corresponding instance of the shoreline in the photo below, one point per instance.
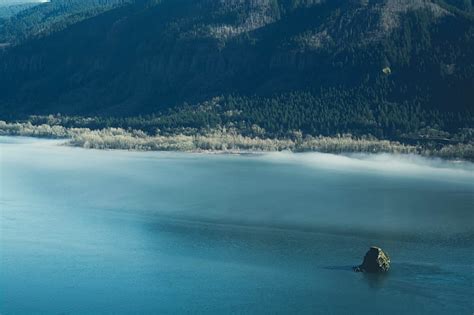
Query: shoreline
(374, 162)
(69, 142)
(229, 141)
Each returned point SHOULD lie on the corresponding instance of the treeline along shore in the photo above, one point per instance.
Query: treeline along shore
(90, 134)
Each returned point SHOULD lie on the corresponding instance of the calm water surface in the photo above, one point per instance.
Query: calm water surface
(85, 231)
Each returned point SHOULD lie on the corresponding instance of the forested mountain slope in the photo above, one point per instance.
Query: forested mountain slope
(377, 66)
(9, 9)
(29, 20)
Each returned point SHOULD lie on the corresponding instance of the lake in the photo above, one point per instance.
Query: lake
(87, 231)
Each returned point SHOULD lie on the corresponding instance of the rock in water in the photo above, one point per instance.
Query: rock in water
(375, 261)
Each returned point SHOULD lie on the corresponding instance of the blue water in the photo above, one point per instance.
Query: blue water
(85, 231)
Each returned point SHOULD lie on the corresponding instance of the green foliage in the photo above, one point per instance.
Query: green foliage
(465, 5)
(222, 125)
(34, 20)
(7, 11)
(330, 113)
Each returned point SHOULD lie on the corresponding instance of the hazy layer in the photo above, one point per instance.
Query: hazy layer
(85, 231)
(370, 193)
(15, 2)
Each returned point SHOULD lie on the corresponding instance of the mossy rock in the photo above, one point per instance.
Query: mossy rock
(375, 261)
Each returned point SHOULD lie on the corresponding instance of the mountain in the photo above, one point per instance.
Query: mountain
(24, 20)
(11, 8)
(367, 63)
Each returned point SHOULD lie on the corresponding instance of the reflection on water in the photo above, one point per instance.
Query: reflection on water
(95, 231)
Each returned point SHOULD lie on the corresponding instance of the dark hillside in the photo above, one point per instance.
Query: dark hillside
(33, 20)
(413, 56)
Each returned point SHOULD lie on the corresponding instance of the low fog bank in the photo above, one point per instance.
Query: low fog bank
(354, 194)
(383, 163)
(393, 164)
(17, 2)
(31, 141)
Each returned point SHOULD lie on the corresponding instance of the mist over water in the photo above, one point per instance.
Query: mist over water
(15, 2)
(402, 165)
(115, 231)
